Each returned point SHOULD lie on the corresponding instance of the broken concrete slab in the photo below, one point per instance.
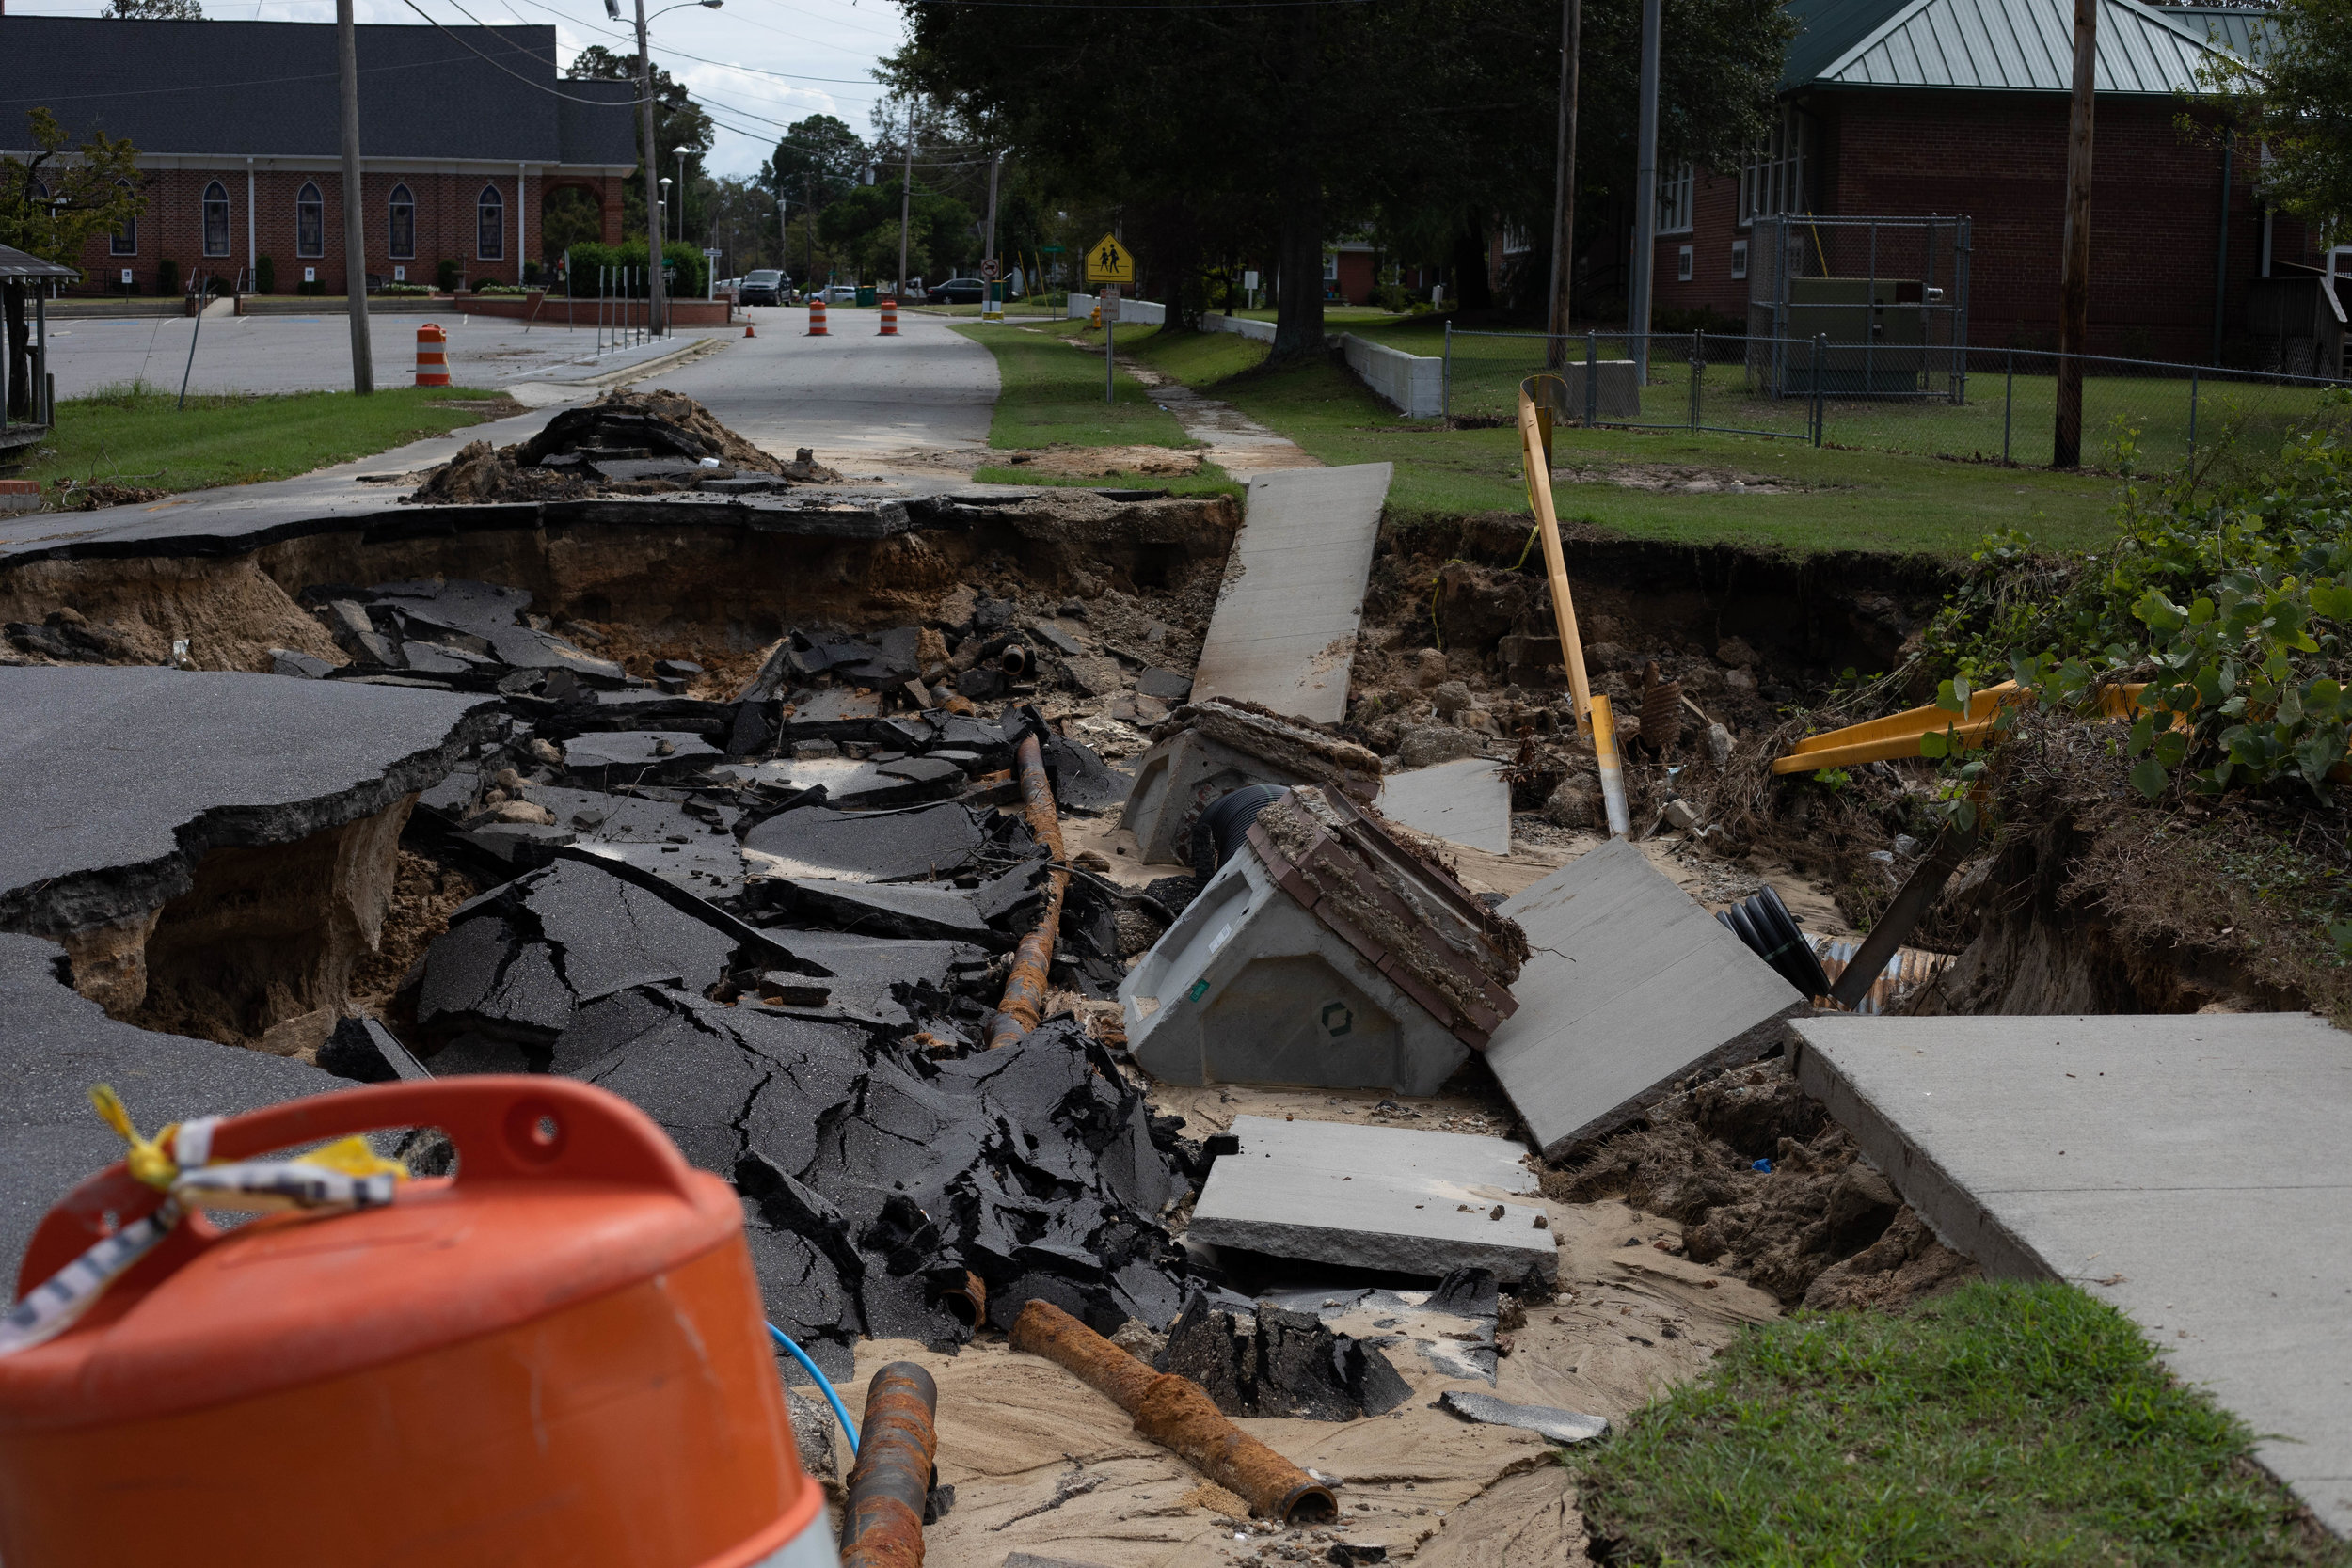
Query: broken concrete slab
(1629, 985)
(921, 844)
(883, 980)
(56, 1045)
(1563, 1426)
(120, 779)
(1379, 1197)
(1463, 802)
(1452, 1327)
(1283, 632)
(2187, 1168)
(1210, 749)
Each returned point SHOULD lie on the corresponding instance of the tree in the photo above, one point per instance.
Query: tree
(52, 201)
(863, 226)
(678, 121)
(819, 159)
(2295, 101)
(154, 11)
(1264, 132)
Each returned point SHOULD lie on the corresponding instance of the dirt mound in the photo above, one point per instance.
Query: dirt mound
(1101, 463)
(623, 443)
(656, 424)
(1765, 1186)
(89, 498)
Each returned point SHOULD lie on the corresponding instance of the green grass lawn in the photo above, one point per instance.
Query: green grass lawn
(137, 436)
(1053, 395)
(2008, 1423)
(1864, 501)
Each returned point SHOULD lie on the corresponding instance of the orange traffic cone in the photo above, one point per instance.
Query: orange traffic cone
(748, 332)
(817, 318)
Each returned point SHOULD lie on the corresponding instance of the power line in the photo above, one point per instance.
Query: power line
(633, 100)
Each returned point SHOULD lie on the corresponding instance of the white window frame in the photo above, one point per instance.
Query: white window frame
(1739, 259)
(216, 195)
(310, 200)
(1683, 264)
(489, 235)
(1775, 177)
(1331, 266)
(125, 240)
(1677, 199)
(401, 198)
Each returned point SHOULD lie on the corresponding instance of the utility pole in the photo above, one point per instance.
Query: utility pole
(2066, 438)
(355, 231)
(1563, 184)
(808, 213)
(1646, 195)
(995, 159)
(653, 178)
(906, 202)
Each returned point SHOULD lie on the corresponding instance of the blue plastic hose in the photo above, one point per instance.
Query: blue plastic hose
(849, 1428)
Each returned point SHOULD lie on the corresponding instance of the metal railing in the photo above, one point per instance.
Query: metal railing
(1987, 404)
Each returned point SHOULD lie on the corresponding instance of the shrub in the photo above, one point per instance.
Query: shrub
(264, 276)
(447, 276)
(166, 279)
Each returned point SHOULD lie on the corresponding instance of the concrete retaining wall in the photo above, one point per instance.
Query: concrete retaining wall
(1240, 326)
(1132, 312)
(1409, 382)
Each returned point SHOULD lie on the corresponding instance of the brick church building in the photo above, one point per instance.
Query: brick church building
(1912, 108)
(463, 135)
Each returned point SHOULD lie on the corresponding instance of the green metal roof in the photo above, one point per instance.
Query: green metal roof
(2000, 46)
(2250, 34)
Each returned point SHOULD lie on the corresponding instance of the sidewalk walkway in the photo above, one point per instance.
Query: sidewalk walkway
(1237, 443)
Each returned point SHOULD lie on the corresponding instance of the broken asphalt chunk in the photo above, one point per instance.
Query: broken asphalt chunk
(921, 844)
(881, 908)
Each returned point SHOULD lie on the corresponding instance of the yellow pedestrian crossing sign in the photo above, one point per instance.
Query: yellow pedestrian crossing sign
(1110, 261)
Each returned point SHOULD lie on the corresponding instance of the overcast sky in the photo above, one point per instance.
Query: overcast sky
(780, 60)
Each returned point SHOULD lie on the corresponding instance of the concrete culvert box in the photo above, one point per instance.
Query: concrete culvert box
(1270, 977)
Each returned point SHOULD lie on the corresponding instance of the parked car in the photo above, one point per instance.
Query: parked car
(764, 287)
(957, 291)
(840, 293)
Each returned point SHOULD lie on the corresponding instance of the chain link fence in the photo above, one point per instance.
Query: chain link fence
(1997, 405)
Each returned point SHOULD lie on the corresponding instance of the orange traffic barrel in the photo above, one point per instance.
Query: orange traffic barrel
(889, 317)
(558, 1356)
(817, 318)
(432, 357)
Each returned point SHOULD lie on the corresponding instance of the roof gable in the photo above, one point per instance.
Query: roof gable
(2014, 46)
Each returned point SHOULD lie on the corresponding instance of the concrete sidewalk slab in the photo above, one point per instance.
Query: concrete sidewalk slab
(1463, 802)
(1377, 1197)
(2190, 1169)
(1632, 985)
(1283, 632)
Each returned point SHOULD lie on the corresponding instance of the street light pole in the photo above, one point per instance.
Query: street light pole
(906, 202)
(653, 186)
(1563, 183)
(1646, 195)
(681, 193)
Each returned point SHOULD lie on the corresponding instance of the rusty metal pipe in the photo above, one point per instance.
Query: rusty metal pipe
(891, 1483)
(1177, 1413)
(1025, 987)
(966, 1300)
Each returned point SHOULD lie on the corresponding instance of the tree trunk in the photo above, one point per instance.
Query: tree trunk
(19, 353)
(1472, 289)
(1299, 302)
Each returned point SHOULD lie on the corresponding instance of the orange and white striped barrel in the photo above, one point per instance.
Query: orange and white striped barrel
(432, 355)
(889, 317)
(817, 317)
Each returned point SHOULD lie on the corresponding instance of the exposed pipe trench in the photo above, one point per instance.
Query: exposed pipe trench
(891, 1483)
(1176, 1413)
(1025, 987)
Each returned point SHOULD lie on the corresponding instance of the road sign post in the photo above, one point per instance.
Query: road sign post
(992, 306)
(1110, 263)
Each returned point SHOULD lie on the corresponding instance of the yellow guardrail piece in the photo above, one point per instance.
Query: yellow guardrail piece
(1898, 734)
